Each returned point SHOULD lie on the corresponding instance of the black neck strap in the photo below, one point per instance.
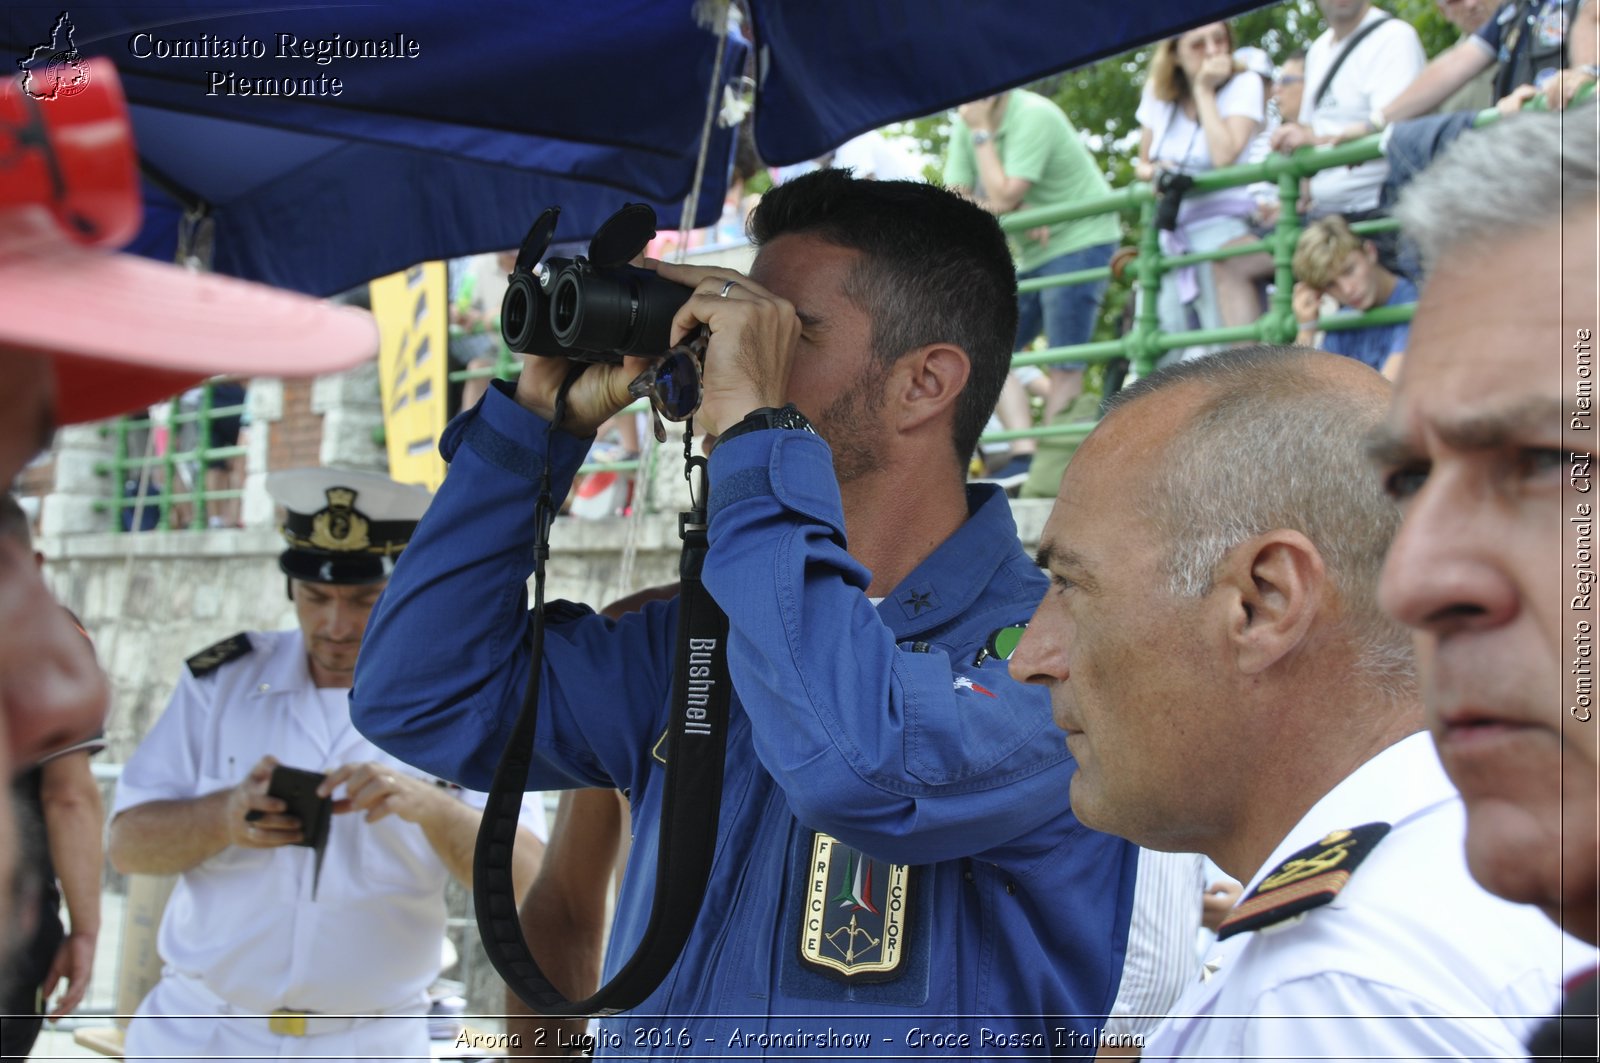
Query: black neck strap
(695, 748)
(1349, 46)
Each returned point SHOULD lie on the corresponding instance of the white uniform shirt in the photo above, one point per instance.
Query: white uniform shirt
(1386, 61)
(244, 922)
(1412, 959)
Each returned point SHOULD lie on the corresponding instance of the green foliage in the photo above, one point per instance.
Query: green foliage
(759, 183)
(1101, 99)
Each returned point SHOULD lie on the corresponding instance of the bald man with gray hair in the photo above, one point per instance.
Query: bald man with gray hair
(1215, 653)
(1310, 474)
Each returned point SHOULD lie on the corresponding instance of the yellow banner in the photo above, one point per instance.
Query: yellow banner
(412, 308)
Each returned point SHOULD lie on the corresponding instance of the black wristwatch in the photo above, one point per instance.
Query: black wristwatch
(769, 417)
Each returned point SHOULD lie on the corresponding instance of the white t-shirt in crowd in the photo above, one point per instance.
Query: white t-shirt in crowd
(874, 155)
(1384, 62)
(1178, 140)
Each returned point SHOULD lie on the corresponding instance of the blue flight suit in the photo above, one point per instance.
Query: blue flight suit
(873, 724)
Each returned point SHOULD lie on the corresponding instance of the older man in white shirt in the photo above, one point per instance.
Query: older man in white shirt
(1489, 447)
(1215, 652)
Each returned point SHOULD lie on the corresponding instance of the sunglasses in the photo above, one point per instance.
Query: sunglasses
(1001, 644)
(673, 384)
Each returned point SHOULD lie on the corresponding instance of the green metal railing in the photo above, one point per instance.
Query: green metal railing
(155, 476)
(1144, 343)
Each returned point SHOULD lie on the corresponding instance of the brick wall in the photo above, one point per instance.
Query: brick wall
(296, 439)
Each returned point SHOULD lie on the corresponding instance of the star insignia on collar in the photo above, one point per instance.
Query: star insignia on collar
(919, 600)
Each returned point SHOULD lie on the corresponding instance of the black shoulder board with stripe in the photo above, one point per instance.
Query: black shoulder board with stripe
(211, 658)
(1309, 879)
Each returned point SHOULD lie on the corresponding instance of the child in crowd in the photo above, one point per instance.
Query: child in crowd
(1332, 260)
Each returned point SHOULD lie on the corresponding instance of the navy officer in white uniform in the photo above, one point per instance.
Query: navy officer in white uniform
(294, 959)
(1215, 652)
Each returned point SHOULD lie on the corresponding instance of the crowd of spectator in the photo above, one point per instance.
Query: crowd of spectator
(1210, 101)
(1207, 101)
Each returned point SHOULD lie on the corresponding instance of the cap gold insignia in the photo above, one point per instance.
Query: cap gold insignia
(338, 528)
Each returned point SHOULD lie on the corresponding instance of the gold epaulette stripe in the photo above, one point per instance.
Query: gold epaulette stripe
(1329, 882)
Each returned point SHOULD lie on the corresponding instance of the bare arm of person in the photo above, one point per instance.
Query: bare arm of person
(1583, 52)
(1583, 47)
(564, 914)
(1448, 72)
(172, 836)
(1144, 169)
(74, 819)
(1002, 192)
(1226, 137)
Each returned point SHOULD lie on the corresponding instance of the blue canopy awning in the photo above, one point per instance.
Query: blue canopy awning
(488, 113)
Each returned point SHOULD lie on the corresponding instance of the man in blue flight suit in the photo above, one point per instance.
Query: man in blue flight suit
(877, 758)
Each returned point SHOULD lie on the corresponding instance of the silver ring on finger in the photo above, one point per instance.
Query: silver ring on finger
(727, 287)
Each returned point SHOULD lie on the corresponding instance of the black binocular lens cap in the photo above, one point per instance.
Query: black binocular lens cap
(623, 235)
(538, 239)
